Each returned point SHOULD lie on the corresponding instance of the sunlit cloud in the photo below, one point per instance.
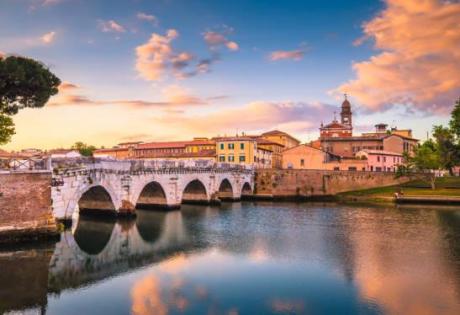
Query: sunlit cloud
(146, 297)
(173, 95)
(287, 306)
(111, 26)
(419, 62)
(296, 55)
(48, 38)
(216, 40)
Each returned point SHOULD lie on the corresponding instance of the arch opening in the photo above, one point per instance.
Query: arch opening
(152, 197)
(225, 192)
(195, 193)
(92, 236)
(96, 201)
(246, 191)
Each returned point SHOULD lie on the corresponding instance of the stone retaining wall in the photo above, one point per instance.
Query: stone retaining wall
(25, 206)
(311, 183)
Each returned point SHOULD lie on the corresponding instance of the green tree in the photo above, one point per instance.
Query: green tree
(424, 161)
(24, 83)
(83, 148)
(454, 123)
(446, 147)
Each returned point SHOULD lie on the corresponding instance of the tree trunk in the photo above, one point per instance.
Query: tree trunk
(433, 181)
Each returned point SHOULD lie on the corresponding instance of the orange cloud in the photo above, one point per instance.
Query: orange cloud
(419, 62)
(216, 40)
(111, 26)
(287, 55)
(48, 38)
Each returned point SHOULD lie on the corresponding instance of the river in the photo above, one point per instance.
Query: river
(244, 258)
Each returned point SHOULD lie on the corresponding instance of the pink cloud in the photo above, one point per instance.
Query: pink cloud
(147, 17)
(287, 55)
(216, 40)
(418, 65)
(111, 26)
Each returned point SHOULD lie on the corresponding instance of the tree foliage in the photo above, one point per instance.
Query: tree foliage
(83, 148)
(454, 123)
(24, 83)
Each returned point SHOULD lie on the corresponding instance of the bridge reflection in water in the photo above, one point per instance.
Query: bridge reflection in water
(247, 257)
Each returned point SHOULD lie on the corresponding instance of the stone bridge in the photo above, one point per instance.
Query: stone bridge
(119, 187)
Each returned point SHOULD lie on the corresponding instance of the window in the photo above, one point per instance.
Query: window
(302, 162)
(242, 146)
(231, 158)
(221, 158)
(378, 158)
(378, 169)
(352, 168)
(231, 146)
(242, 158)
(221, 146)
(384, 159)
(336, 168)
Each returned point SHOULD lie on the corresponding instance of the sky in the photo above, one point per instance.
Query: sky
(158, 70)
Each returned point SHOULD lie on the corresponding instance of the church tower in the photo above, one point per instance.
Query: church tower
(346, 114)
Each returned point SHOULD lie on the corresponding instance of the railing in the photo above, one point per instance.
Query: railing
(24, 164)
(84, 165)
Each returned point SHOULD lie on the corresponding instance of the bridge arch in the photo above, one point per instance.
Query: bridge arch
(96, 199)
(195, 192)
(225, 190)
(152, 196)
(246, 190)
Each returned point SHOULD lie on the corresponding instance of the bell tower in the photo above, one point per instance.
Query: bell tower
(346, 114)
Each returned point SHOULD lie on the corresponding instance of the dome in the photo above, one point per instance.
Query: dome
(346, 103)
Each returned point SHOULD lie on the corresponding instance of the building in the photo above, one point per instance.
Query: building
(172, 148)
(307, 157)
(282, 138)
(381, 161)
(114, 153)
(243, 150)
(337, 137)
(63, 153)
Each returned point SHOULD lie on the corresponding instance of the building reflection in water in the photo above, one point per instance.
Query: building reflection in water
(246, 258)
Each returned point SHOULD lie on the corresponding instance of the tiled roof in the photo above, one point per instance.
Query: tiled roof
(200, 154)
(110, 150)
(173, 144)
(278, 132)
(381, 152)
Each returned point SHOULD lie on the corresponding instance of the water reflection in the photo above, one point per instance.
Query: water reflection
(248, 258)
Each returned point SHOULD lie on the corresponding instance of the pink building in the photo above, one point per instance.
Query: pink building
(380, 161)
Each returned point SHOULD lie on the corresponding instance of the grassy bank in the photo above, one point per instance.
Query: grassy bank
(445, 186)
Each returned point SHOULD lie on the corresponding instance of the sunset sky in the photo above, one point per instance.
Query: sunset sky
(175, 69)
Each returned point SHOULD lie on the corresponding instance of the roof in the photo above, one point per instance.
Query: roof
(335, 125)
(242, 138)
(110, 150)
(375, 136)
(61, 151)
(263, 141)
(173, 144)
(278, 132)
(130, 142)
(312, 147)
(199, 154)
(380, 152)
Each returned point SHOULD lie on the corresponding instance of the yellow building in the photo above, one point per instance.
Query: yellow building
(282, 138)
(242, 150)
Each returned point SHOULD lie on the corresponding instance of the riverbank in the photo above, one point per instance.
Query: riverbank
(447, 192)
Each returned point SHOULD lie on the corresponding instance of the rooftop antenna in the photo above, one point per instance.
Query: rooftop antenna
(335, 115)
(345, 95)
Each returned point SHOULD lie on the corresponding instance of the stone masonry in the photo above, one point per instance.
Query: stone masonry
(25, 205)
(312, 183)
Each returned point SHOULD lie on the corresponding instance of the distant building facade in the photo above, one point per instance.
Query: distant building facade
(243, 150)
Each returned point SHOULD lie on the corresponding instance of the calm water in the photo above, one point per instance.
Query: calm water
(245, 258)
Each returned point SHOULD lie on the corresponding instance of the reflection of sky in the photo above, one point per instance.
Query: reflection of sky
(281, 258)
